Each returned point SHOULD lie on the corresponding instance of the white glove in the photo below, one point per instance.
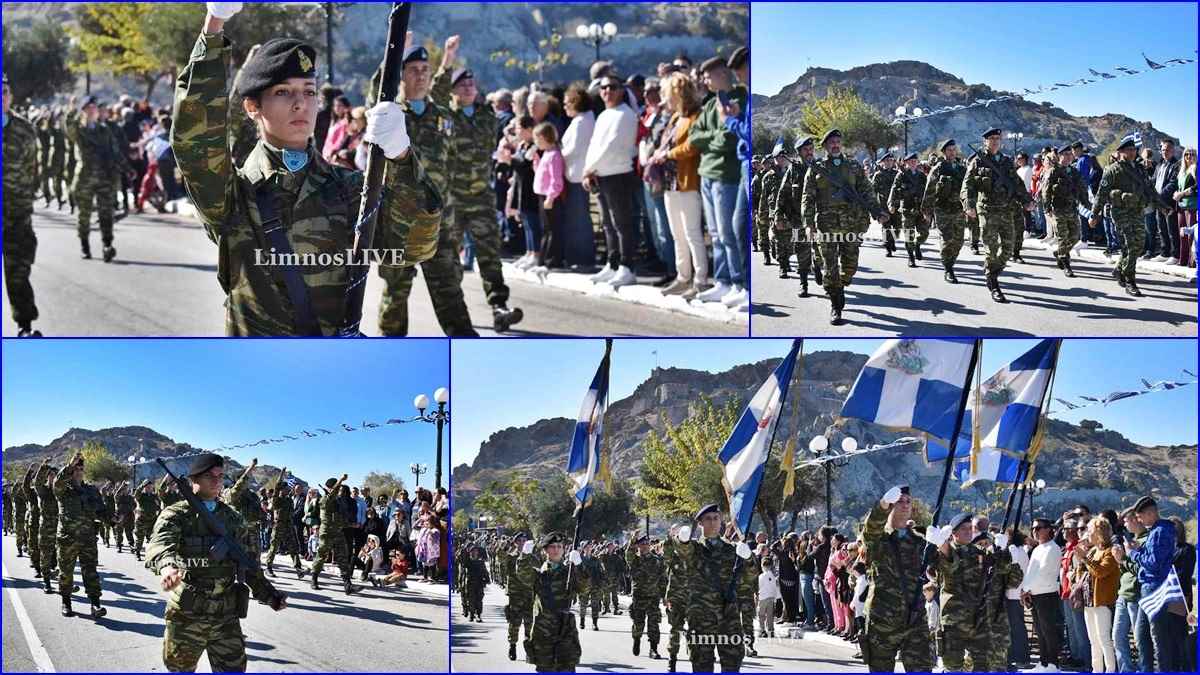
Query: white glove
(891, 496)
(684, 533)
(937, 535)
(1001, 541)
(224, 10)
(743, 550)
(574, 558)
(527, 548)
(387, 129)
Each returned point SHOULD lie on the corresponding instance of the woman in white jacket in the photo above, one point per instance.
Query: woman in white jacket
(579, 240)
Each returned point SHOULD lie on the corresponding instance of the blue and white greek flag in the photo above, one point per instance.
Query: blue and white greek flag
(1169, 591)
(584, 459)
(912, 384)
(744, 454)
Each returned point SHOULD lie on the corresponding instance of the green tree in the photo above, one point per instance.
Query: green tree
(35, 60)
(459, 521)
(111, 41)
(680, 471)
(508, 502)
(383, 483)
(842, 109)
(99, 466)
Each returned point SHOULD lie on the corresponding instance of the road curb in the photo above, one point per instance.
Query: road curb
(1085, 252)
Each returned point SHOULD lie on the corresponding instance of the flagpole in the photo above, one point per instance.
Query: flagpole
(958, 422)
(607, 361)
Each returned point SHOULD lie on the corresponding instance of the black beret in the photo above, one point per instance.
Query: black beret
(803, 141)
(904, 489)
(1128, 142)
(714, 62)
(830, 134)
(552, 538)
(957, 521)
(706, 509)
(1066, 148)
(203, 463)
(461, 74)
(88, 100)
(1077, 144)
(982, 535)
(738, 58)
(948, 143)
(276, 61)
(417, 53)
(887, 155)
(991, 132)
(330, 482)
(911, 155)
(1144, 503)
(642, 540)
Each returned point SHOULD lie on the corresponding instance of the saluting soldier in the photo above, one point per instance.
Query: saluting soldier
(33, 519)
(519, 611)
(20, 242)
(333, 519)
(555, 639)
(144, 516)
(962, 571)
(79, 506)
(101, 161)
(283, 535)
(48, 527)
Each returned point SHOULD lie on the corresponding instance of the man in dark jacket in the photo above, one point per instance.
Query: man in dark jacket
(1164, 243)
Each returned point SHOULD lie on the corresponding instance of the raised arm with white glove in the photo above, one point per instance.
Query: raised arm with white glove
(386, 127)
(527, 548)
(574, 558)
(937, 535)
(224, 10)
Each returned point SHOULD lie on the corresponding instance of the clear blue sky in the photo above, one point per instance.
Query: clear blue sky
(498, 384)
(225, 392)
(1025, 47)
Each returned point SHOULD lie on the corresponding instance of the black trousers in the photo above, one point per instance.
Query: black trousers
(790, 590)
(620, 219)
(1048, 624)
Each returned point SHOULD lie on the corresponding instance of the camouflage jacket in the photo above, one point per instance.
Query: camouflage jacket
(332, 520)
(1006, 574)
(472, 140)
(1062, 188)
(318, 206)
(787, 207)
(147, 507)
(165, 497)
(1127, 189)
(77, 508)
(283, 509)
(709, 571)
(677, 586)
(828, 211)
(100, 155)
(755, 191)
(520, 591)
(549, 583)
(769, 187)
(475, 572)
(47, 503)
(881, 183)
(183, 540)
(34, 512)
(20, 165)
(962, 577)
(243, 500)
(896, 573)
(58, 148)
(908, 188)
(984, 190)
(592, 571)
(943, 187)
(19, 503)
(125, 506)
(647, 573)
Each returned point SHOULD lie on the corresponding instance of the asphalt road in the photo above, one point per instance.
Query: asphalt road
(163, 283)
(888, 298)
(319, 631)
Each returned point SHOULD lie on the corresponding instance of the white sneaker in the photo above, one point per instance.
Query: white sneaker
(743, 306)
(623, 277)
(603, 275)
(1050, 668)
(1172, 261)
(733, 297)
(1159, 258)
(523, 263)
(714, 294)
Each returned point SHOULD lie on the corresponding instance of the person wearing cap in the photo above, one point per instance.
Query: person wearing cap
(944, 206)
(677, 595)
(1155, 559)
(241, 498)
(283, 534)
(647, 573)
(476, 579)
(1005, 575)
(1040, 592)
(762, 229)
(720, 176)
(589, 594)
(33, 519)
(101, 160)
(840, 221)
(19, 513)
(144, 515)
(1125, 193)
(285, 180)
(962, 571)
(331, 540)
(881, 183)
(207, 596)
(20, 242)
(769, 188)
(554, 640)
(1063, 193)
(993, 192)
(468, 165)
(791, 233)
(904, 199)
(895, 613)
(718, 572)
(79, 506)
(520, 589)
(430, 126)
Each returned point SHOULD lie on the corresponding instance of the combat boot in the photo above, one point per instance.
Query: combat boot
(637, 646)
(37, 574)
(804, 284)
(582, 621)
(47, 201)
(299, 573)
(654, 651)
(66, 606)
(1066, 263)
(26, 330)
(316, 586)
(994, 285)
(512, 651)
(750, 651)
(912, 256)
(1116, 274)
(137, 553)
(767, 255)
(783, 269)
(595, 626)
(60, 205)
(949, 276)
(97, 610)
(349, 587)
(270, 570)
(975, 247)
(20, 552)
(1131, 286)
(71, 201)
(835, 310)
(504, 318)
(917, 248)
(119, 547)
(85, 248)
(109, 254)
(47, 589)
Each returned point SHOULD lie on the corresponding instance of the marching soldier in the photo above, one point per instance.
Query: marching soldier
(1005, 575)
(941, 202)
(962, 573)
(993, 192)
(646, 570)
(762, 229)
(676, 596)
(144, 516)
(20, 243)
(333, 520)
(79, 506)
(125, 508)
(42, 126)
(1062, 193)
(33, 520)
(475, 580)
(908, 189)
(208, 598)
(472, 140)
(881, 183)
(1126, 191)
(829, 206)
(283, 535)
(58, 155)
(100, 163)
(593, 574)
(19, 512)
(788, 218)
(555, 640)
(243, 500)
(519, 611)
(7, 510)
(769, 185)
(48, 527)
(284, 181)
(110, 512)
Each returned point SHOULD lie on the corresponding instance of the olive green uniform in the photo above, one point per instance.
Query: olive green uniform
(20, 242)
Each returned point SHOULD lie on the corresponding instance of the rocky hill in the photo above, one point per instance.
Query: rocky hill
(1096, 466)
(886, 86)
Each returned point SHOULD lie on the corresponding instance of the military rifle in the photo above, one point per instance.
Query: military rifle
(849, 194)
(226, 545)
(1002, 178)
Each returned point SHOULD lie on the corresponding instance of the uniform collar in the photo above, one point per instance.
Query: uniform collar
(265, 163)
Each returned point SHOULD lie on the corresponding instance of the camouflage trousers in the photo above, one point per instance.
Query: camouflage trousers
(189, 636)
(555, 642)
(142, 529)
(20, 249)
(473, 597)
(52, 181)
(997, 229)
(1131, 229)
(252, 539)
(336, 543)
(676, 616)
(885, 639)
(124, 526)
(517, 615)
(714, 626)
(645, 614)
(34, 547)
(1066, 230)
(47, 539)
(283, 540)
(839, 260)
(960, 642)
(79, 546)
(590, 600)
(443, 278)
(915, 227)
(106, 533)
(950, 226)
(762, 234)
(749, 611)
(95, 193)
(19, 527)
(1001, 639)
(479, 218)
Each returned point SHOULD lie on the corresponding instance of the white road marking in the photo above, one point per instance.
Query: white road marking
(40, 656)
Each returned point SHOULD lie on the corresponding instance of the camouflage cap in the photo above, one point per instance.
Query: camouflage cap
(205, 462)
(948, 143)
(832, 133)
(276, 61)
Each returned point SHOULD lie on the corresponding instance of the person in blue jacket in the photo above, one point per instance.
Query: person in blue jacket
(1155, 558)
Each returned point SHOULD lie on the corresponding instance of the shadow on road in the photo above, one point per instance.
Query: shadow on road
(185, 266)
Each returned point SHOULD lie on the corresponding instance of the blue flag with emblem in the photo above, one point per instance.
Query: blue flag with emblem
(583, 462)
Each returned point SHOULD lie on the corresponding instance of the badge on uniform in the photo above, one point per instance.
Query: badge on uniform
(305, 64)
(837, 161)
(447, 126)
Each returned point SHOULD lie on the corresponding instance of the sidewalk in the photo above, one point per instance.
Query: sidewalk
(1096, 254)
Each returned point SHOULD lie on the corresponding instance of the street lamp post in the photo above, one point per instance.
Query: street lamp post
(819, 446)
(417, 470)
(1015, 138)
(440, 417)
(903, 116)
(596, 35)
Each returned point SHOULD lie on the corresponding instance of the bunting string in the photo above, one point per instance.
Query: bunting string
(1112, 397)
(317, 432)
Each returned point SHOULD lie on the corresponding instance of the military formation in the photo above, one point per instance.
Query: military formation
(819, 210)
